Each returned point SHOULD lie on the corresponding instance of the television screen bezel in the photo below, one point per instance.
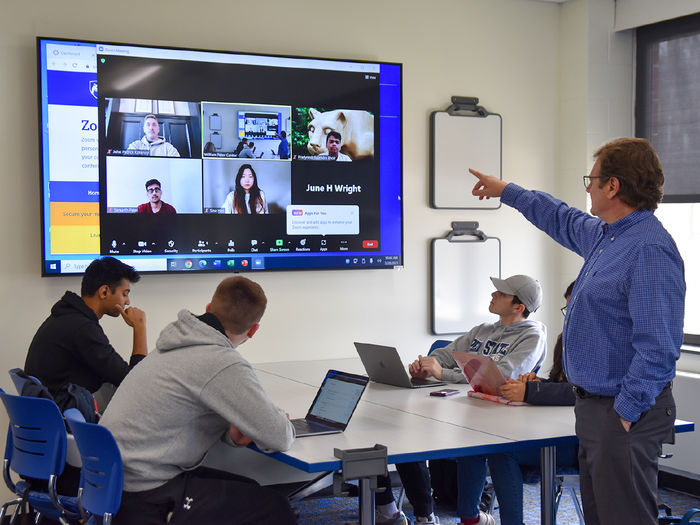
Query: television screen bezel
(45, 213)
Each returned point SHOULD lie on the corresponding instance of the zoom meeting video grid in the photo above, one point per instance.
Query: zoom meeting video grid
(177, 148)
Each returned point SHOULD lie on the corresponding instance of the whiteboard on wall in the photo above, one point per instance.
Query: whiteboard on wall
(458, 143)
(461, 284)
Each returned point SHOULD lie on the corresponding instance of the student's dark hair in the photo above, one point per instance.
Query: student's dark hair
(238, 303)
(636, 165)
(109, 271)
(557, 374)
(209, 148)
(152, 182)
(239, 193)
(334, 134)
(283, 134)
(526, 312)
(569, 289)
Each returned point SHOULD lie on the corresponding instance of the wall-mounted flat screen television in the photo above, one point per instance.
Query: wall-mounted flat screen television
(177, 160)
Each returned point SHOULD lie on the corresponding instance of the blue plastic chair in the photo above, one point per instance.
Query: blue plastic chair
(102, 474)
(686, 519)
(438, 343)
(19, 378)
(36, 448)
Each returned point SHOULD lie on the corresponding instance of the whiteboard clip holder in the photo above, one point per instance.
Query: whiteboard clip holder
(469, 228)
(466, 106)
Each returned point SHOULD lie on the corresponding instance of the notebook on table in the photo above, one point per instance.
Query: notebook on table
(383, 365)
(481, 372)
(333, 405)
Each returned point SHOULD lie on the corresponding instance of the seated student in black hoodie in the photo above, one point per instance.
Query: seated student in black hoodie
(71, 347)
(555, 390)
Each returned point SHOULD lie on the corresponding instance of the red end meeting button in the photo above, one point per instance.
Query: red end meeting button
(370, 244)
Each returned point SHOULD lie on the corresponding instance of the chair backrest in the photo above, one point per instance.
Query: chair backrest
(38, 446)
(20, 379)
(438, 343)
(102, 475)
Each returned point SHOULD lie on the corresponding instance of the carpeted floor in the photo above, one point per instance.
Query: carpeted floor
(342, 511)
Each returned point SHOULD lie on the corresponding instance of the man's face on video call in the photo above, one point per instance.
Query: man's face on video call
(153, 192)
(333, 146)
(151, 129)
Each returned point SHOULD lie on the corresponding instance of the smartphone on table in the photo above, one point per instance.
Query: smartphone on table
(445, 392)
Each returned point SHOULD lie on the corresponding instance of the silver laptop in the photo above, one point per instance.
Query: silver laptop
(383, 365)
(333, 405)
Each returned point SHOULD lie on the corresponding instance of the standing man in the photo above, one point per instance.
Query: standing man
(152, 142)
(623, 327)
(333, 141)
(155, 204)
(283, 149)
(194, 390)
(71, 347)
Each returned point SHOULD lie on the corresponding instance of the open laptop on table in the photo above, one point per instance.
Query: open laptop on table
(383, 365)
(333, 405)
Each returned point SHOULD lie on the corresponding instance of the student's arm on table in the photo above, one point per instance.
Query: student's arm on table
(514, 390)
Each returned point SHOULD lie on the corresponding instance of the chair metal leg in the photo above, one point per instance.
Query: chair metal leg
(492, 503)
(577, 505)
(402, 497)
(313, 486)
(557, 497)
(3, 510)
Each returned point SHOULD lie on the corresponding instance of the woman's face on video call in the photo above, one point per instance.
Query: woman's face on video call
(247, 179)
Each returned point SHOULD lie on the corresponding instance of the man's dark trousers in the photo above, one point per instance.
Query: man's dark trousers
(619, 469)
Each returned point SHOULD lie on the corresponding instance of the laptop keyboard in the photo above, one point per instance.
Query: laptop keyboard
(302, 425)
(421, 382)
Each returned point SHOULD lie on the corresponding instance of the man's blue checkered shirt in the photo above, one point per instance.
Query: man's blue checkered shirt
(624, 324)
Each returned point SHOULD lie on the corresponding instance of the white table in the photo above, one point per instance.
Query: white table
(416, 427)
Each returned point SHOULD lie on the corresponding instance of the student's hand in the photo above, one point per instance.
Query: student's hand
(530, 376)
(133, 316)
(238, 437)
(513, 390)
(487, 186)
(415, 370)
(427, 366)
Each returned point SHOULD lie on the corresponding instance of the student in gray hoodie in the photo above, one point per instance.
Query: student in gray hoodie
(516, 344)
(193, 390)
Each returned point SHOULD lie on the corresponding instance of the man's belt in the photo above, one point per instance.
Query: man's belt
(581, 393)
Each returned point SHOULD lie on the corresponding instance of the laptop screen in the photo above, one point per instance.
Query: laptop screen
(337, 398)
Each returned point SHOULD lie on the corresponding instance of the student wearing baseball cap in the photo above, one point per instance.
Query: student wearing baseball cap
(516, 344)
(523, 287)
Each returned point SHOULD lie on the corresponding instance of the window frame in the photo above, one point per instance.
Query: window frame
(648, 36)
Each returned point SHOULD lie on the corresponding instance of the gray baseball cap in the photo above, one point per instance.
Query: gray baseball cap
(526, 288)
